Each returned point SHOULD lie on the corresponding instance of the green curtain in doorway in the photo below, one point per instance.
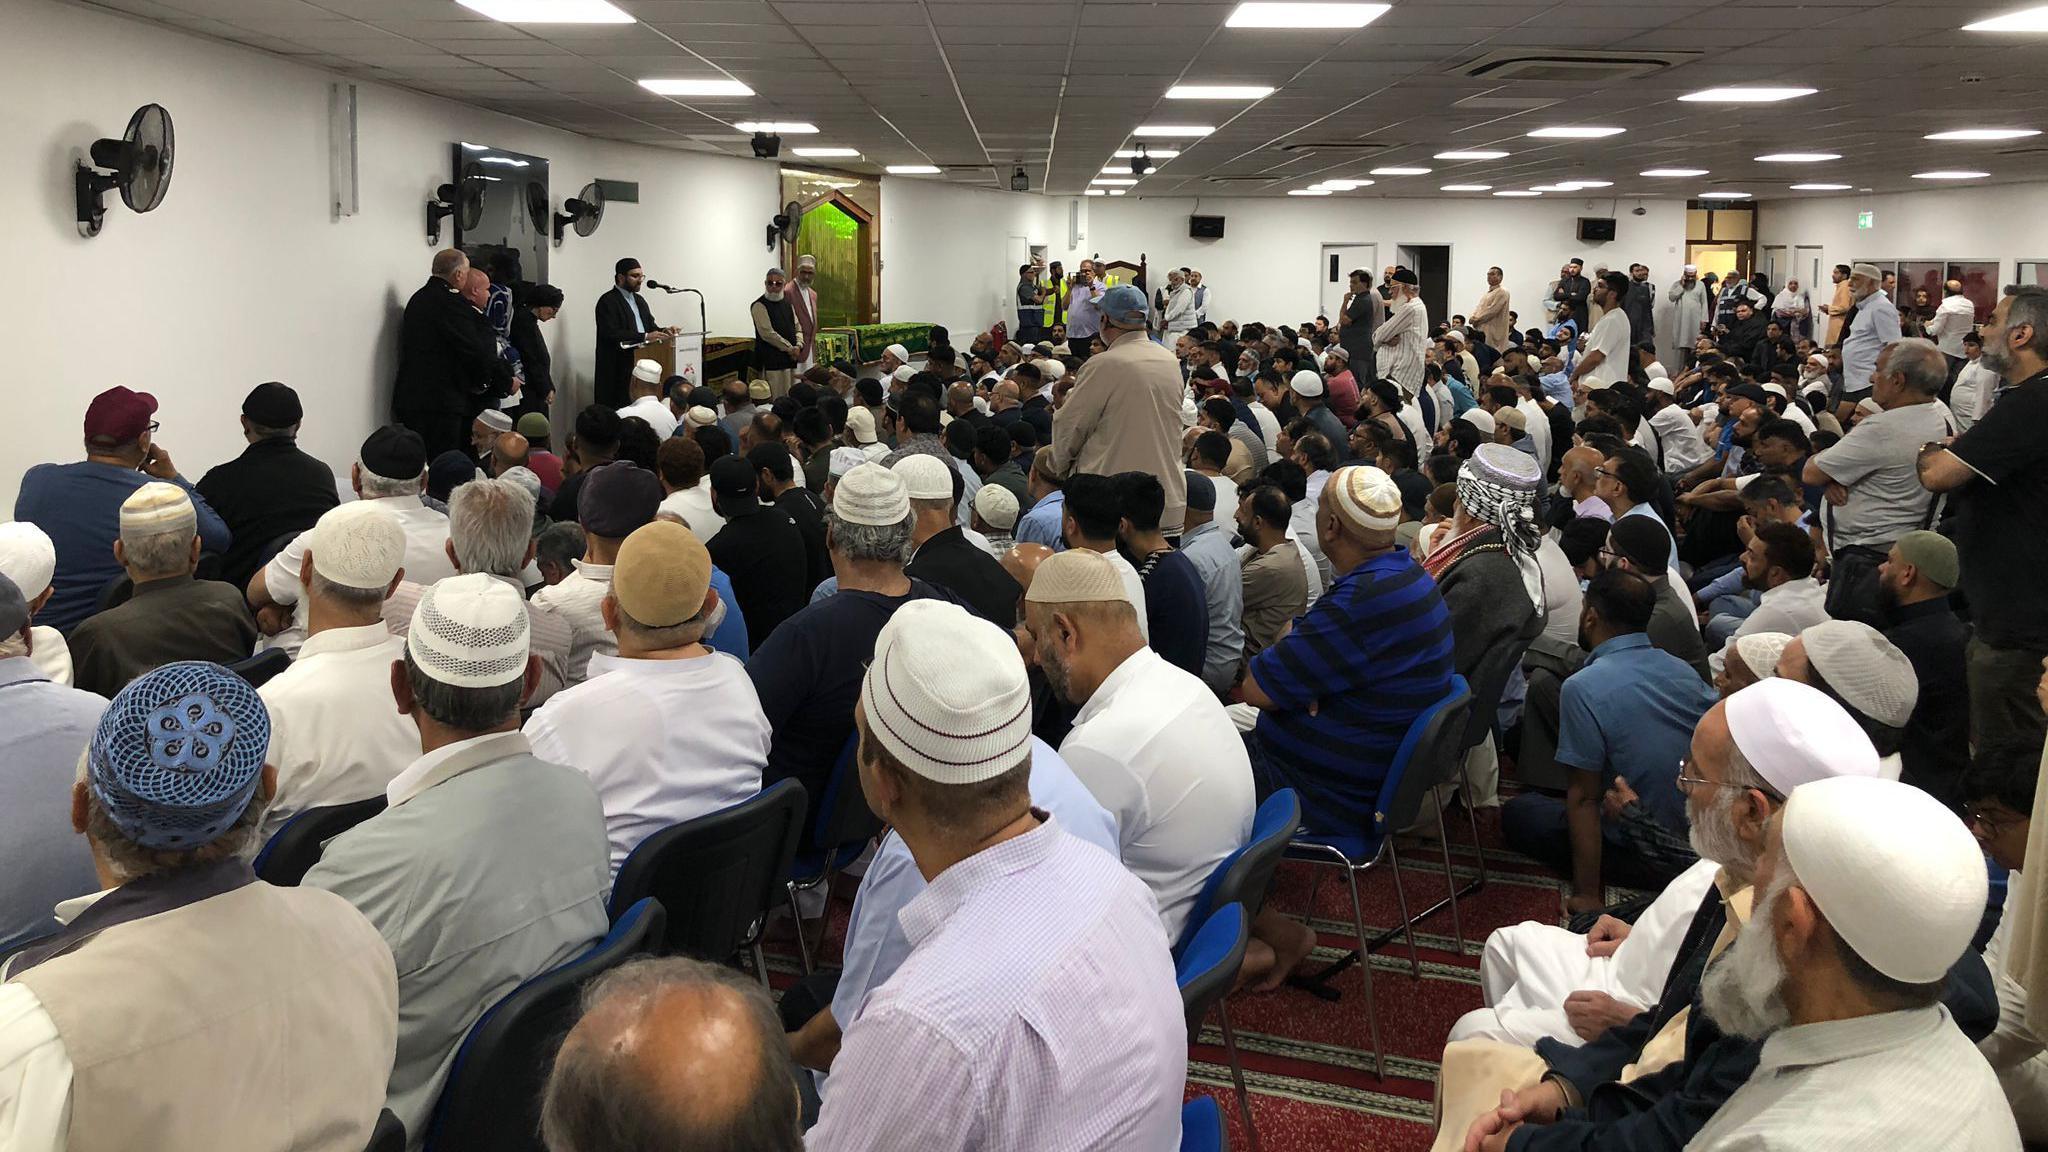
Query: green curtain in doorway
(833, 236)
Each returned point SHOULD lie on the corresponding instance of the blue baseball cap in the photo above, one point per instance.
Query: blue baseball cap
(178, 754)
(1123, 306)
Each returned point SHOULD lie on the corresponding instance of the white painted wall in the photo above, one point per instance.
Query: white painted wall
(2003, 223)
(946, 250)
(243, 275)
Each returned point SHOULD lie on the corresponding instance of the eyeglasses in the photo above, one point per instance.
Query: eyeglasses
(1605, 472)
(1992, 822)
(1686, 781)
(153, 425)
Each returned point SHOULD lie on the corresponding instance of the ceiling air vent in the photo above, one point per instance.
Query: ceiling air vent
(1352, 146)
(1268, 179)
(1566, 66)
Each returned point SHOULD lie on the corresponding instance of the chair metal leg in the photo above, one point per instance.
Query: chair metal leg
(1372, 1015)
(1244, 1101)
(761, 967)
(1472, 819)
(1401, 894)
(796, 917)
(1315, 884)
(1450, 879)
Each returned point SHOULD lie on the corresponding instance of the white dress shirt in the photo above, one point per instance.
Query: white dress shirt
(35, 1067)
(693, 505)
(654, 410)
(576, 600)
(1269, 425)
(1133, 584)
(1791, 608)
(1684, 448)
(1955, 316)
(1156, 748)
(426, 562)
(336, 735)
(1610, 337)
(663, 741)
(1037, 1009)
(52, 655)
(1976, 386)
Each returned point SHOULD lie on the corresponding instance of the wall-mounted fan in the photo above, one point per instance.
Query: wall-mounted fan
(537, 205)
(583, 212)
(784, 227)
(463, 200)
(138, 164)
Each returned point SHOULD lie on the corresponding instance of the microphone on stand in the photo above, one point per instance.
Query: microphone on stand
(663, 287)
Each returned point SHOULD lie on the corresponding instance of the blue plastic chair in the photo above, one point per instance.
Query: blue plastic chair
(1419, 764)
(491, 1100)
(1205, 971)
(1201, 1126)
(1246, 875)
(297, 844)
(841, 829)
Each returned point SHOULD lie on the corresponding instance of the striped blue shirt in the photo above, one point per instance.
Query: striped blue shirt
(1372, 653)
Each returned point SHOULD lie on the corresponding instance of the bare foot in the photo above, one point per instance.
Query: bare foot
(1287, 942)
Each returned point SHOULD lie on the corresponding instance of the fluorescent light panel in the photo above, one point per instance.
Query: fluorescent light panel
(1153, 153)
(778, 127)
(1305, 16)
(1724, 195)
(549, 11)
(1819, 187)
(1400, 171)
(1985, 134)
(1666, 172)
(2024, 20)
(1308, 192)
(1118, 191)
(912, 169)
(1747, 95)
(1218, 92)
(1950, 175)
(1575, 132)
(1343, 185)
(1466, 188)
(697, 86)
(823, 153)
(1796, 157)
(1098, 192)
(1515, 193)
(1183, 130)
(1472, 154)
(1109, 180)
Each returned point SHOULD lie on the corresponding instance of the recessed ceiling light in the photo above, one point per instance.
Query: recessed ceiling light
(1472, 154)
(1107, 180)
(1401, 171)
(2024, 20)
(549, 11)
(912, 169)
(1662, 172)
(1514, 192)
(1985, 134)
(1118, 191)
(1550, 188)
(1154, 153)
(1218, 92)
(823, 153)
(1172, 130)
(1581, 185)
(1098, 192)
(1308, 192)
(697, 86)
(1304, 16)
(1950, 175)
(1724, 195)
(777, 127)
(1796, 157)
(1820, 187)
(1746, 95)
(1343, 185)
(1575, 132)
(1466, 188)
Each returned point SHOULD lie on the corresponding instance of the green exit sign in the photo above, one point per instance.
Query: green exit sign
(1866, 219)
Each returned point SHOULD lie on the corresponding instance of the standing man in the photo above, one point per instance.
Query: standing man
(1956, 317)
(1201, 291)
(273, 489)
(1490, 315)
(1607, 347)
(1840, 308)
(1689, 305)
(803, 299)
(539, 304)
(1356, 319)
(1405, 335)
(1640, 302)
(1084, 309)
(1030, 305)
(775, 334)
(1574, 289)
(1875, 325)
(446, 359)
(1793, 310)
(623, 322)
(1179, 314)
(1124, 412)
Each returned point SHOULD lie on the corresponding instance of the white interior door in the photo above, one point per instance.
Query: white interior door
(1773, 265)
(1806, 261)
(1334, 274)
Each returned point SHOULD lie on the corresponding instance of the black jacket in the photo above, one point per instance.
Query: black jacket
(808, 510)
(535, 361)
(447, 356)
(1936, 745)
(952, 562)
(762, 551)
(1640, 304)
(268, 494)
(614, 325)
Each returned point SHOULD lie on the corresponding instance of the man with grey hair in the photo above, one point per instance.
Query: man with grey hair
(391, 468)
(1123, 414)
(776, 336)
(1873, 486)
(490, 865)
(170, 616)
(673, 1053)
(1873, 324)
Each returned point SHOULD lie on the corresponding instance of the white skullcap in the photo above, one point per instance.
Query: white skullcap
(27, 557)
(861, 422)
(1690, 268)
(1776, 389)
(699, 416)
(898, 351)
(1792, 734)
(1898, 877)
(1819, 358)
(807, 261)
(157, 508)
(1306, 383)
(1661, 384)
(1595, 383)
(525, 477)
(1866, 670)
(647, 371)
(844, 460)
(358, 545)
(1479, 418)
(1455, 336)
(1869, 405)
(1336, 350)
(498, 421)
(1076, 576)
(902, 375)
(871, 495)
(925, 477)
(1656, 369)
(1052, 370)
(1364, 497)
(1760, 650)
(947, 694)
(997, 505)
(470, 631)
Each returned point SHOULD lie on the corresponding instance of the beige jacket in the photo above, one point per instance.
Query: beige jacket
(1124, 416)
(1490, 316)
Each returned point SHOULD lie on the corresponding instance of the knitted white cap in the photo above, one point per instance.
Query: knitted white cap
(1792, 734)
(947, 694)
(494, 419)
(470, 631)
(844, 460)
(1664, 385)
(925, 477)
(871, 494)
(1897, 875)
(1760, 650)
(1595, 384)
(157, 508)
(647, 371)
(898, 351)
(1866, 670)
(1306, 383)
(902, 375)
(700, 416)
(1365, 497)
(358, 545)
(27, 557)
(1076, 576)
(1051, 369)
(997, 505)
(1479, 418)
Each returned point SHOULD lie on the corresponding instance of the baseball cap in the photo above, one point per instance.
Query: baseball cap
(119, 416)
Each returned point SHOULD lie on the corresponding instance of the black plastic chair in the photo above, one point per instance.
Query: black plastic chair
(259, 669)
(841, 827)
(296, 846)
(1205, 971)
(491, 1101)
(388, 1135)
(720, 872)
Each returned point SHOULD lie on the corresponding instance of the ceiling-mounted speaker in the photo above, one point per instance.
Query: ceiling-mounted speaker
(767, 147)
(138, 165)
(1020, 180)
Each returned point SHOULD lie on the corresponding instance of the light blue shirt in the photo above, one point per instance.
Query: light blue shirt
(1875, 325)
(1557, 386)
(1629, 711)
(1223, 589)
(875, 943)
(47, 726)
(1041, 525)
(633, 310)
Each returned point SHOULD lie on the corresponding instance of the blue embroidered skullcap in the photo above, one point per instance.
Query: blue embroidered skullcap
(178, 754)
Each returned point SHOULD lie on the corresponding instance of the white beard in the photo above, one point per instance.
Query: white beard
(1712, 832)
(777, 296)
(1742, 990)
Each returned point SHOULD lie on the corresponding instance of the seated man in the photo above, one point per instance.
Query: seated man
(134, 1026)
(760, 547)
(1625, 715)
(1337, 694)
(688, 1049)
(614, 500)
(338, 738)
(1275, 582)
(489, 867)
(1176, 604)
(1913, 596)
(1865, 673)
(170, 616)
(940, 552)
(1636, 544)
(1998, 789)
(668, 729)
(1036, 1007)
(274, 490)
(1151, 742)
(1777, 563)
(1204, 542)
(28, 558)
(1090, 518)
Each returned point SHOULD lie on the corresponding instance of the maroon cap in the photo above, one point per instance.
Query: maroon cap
(118, 416)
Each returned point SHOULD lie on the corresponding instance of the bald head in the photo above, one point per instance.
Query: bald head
(959, 397)
(508, 451)
(476, 288)
(1022, 562)
(673, 1053)
(450, 264)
